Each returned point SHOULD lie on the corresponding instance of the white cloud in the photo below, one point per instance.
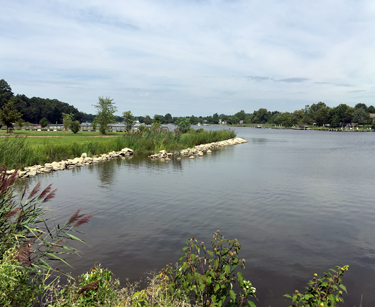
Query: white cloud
(191, 57)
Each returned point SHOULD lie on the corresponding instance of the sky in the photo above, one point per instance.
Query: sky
(190, 57)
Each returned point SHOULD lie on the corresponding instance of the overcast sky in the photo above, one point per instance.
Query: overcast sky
(190, 57)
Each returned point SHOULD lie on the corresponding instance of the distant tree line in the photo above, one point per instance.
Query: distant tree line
(318, 113)
(35, 109)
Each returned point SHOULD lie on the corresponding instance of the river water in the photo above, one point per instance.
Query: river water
(300, 202)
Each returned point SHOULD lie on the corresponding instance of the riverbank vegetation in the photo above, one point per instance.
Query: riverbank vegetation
(27, 151)
(316, 116)
(205, 275)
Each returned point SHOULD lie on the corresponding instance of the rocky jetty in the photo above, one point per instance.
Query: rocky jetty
(70, 163)
(198, 150)
(191, 153)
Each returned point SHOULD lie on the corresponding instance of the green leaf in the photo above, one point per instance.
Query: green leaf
(217, 287)
(240, 277)
(287, 295)
(227, 268)
(251, 303)
(343, 287)
(74, 238)
(232, 295)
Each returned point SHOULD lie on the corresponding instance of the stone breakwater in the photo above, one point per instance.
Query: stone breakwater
(70, 163)
(84, 160)
(198, 150)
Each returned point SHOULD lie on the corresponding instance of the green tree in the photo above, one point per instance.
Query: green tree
(147, 120)
(240, 115)
(157, 119)
(215, 118)
(361, 106)
(156, 122)
(43, 122)
(233, 120)
(9, 115)
(105, 113)
(341, 114)
(5, 92)
(74, 126)
(360, 116)
(183, 124)
(261, 116)
(128, 120)
(322, 116)
(67, 120)
(168, 118)
(371, 109)
(193, 120)
(20, 123)
(314, 108)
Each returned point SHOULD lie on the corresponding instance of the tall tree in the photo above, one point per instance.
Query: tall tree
(9, 115)
(105, 113)
(147, 120)
(128, 120)
(215, 118)
(67, 120)
(183, 124)
(360, 116)
(5, 92)
(168, 118)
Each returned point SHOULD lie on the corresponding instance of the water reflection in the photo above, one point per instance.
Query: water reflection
(300, 202)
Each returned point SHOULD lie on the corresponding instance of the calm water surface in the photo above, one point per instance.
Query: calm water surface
(300, 202)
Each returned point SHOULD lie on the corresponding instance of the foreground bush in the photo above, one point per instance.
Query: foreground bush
(29, 243)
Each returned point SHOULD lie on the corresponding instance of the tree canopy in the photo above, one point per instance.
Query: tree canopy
(105, 113)
(9, 114)
(128, 120)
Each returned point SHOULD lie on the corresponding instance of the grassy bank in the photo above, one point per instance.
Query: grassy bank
(26, 151)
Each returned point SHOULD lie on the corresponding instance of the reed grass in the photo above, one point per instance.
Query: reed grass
(23, 151)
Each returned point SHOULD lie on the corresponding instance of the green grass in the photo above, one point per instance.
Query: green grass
(57, 133)
(21, 150)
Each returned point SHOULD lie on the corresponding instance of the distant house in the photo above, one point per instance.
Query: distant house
(241, 122)
(372, 116)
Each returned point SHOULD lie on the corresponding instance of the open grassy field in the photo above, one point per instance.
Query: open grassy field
(57, 133)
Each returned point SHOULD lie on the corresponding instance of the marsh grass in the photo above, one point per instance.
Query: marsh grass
(26, 151)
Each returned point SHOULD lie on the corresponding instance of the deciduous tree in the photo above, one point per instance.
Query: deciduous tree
(43, 122)
(183, 124)
(128, 120)
(9, 115)
(67, 120)
(105, 113)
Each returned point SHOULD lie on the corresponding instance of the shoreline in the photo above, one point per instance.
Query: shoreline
(84, 160)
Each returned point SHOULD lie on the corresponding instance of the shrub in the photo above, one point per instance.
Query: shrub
(94, 288)
(74, 126)
(322, 291)
(211, 278)
(43, 122)
(183, 124)
(19, 286)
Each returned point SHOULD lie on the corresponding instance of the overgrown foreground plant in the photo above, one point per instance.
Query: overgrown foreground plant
(28, 244)
(209, 279)
(323, 291)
